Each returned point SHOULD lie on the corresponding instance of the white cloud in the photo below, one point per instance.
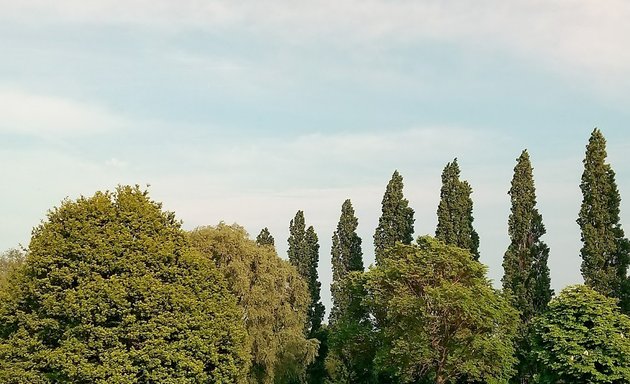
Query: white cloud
(574, 37)
(42, 115)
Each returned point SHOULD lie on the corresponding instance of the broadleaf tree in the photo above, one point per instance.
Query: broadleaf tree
(441, 320)
(111, 292)
(582, 338)
(274, 299)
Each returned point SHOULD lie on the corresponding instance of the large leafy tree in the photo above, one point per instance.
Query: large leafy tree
(111, 292)
(455, 219)
(605, 251)
(526, 274)
(396, 221)
(582, 338)
(273, 297)
(439, 318)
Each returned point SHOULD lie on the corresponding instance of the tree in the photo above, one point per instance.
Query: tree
(350, 340)
(526, 274)
(112, 293)
(347, 257)
(10, 260)
(582, 338)
(440, 319)
(303, 253)
(396, 221)
(265, 238)
(455, 220)
(273, 296)
(605, 251)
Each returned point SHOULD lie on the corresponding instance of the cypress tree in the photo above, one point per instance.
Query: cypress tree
(605, 251)
(303, 253)
(346, 257)
(396, 221)
(265, 238)
(455, 220)
(526, 274)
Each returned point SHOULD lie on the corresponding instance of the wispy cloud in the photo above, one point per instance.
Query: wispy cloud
(41, 115)
(575, 37)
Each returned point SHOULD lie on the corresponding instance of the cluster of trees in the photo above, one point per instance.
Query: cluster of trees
(112, 290)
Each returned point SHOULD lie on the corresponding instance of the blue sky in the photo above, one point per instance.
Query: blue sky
(248, 111)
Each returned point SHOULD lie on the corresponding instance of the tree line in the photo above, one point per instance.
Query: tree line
(112, 290)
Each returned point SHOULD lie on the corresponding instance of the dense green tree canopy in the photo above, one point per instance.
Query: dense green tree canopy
(274, 299)
(440, 318)
(352, 341)
(111, 293)
(582, 339)
(605, 251)
(396, 221)
(455, 219)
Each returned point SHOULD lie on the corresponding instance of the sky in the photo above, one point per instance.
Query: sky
(247, 111)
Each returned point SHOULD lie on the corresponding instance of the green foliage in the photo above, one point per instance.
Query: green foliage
(582, 338)
(265, 238)
(352, 339)
(110, 292)
(10, 260)
(351, 350)
(396, 221)
(455, 220)
(304, 255)
(347, 257)
(605, 251)
(440, 319)
(526, 274)
(273, 297)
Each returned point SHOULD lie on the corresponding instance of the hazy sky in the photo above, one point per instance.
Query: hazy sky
(246, 111)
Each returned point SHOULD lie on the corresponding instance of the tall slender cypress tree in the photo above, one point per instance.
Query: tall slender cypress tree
(455, 219)
(605, 251)
(317, 308)
(265, 238)
(346, 257)
(396, 221)
(526, 274)
(303, 253)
